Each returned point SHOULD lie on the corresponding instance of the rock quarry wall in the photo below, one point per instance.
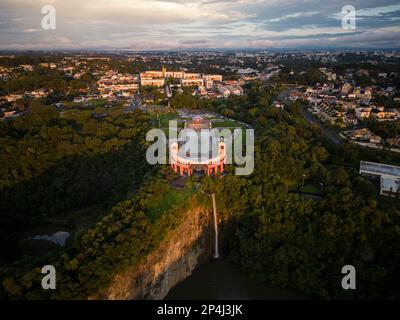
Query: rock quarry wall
(184, 248)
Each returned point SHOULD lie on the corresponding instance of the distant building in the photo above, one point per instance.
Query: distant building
(80, 99)
(224, 91)
(379, 113)
(174, 75)
(13, 97)
(192, 82)
(248, 71)
(326, 113)
(346, 88)
(116, 82)
(210, 79)
(192, 76)
(209, 84)
(350, 119)
(157, 78)
(368, 93)
(213, 77)
(363, 113)
(152, 82)
(363, 135)
(26, 67)
(331, 76)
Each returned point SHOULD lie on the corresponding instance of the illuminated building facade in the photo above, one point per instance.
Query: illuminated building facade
(186, 162)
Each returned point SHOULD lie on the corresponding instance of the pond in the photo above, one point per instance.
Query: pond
(220, 280)
(59, 237)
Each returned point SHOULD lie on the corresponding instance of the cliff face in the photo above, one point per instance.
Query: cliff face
(174, 260)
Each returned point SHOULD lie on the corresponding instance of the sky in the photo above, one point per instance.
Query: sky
(198, 24)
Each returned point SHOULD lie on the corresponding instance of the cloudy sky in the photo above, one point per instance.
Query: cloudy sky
(184, 24)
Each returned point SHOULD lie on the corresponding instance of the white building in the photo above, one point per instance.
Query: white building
(152, 82)
(389, 176)
(346, 88)
(192, 76)
(224, 91)
(192, 82)
(118, 82)
(213, 77)
(157, 78)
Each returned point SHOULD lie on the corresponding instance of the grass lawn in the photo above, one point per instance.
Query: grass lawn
(164, 121)
(169, 199)
(227, 124)
(164, 118)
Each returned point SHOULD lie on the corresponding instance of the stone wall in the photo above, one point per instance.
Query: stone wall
(178, 255)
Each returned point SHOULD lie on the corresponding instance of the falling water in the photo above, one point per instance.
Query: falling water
(216, 254)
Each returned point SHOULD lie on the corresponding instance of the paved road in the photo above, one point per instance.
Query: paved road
(331, 134)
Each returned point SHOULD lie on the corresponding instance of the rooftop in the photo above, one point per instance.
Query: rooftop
(381, 169)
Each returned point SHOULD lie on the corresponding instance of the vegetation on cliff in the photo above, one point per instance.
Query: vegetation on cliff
(53, 166)
(121, 238)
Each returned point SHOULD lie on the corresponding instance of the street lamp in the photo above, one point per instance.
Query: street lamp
(302, 183)
(158, 118)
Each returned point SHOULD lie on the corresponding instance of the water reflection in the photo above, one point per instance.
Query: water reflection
(59, 237)
(220, 280)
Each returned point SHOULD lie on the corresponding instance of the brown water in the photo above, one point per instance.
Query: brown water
(220, 280)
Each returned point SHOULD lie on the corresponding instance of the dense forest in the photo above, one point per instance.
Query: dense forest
(53, 164)
(121, 238)
(302, 243)
(56, 164)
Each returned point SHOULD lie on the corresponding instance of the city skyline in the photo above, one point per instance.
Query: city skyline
(205, 24)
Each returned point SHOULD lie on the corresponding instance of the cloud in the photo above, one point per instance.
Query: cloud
(172, 24)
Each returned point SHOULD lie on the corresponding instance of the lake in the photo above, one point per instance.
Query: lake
(221, 280)
(59, 237)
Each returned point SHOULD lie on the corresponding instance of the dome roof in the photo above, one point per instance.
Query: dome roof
(198, 119)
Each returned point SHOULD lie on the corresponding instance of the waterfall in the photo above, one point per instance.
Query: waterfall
(216, 253)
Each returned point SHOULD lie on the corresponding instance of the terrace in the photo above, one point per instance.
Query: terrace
(379, 169)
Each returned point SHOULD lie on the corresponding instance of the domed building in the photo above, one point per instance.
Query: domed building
(185, 162)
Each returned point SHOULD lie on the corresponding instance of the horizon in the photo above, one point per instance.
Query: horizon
(200, 50)
(176, 25)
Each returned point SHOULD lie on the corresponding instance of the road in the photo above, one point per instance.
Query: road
(329, 133)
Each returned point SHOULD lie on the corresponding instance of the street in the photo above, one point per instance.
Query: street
(329, 133)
